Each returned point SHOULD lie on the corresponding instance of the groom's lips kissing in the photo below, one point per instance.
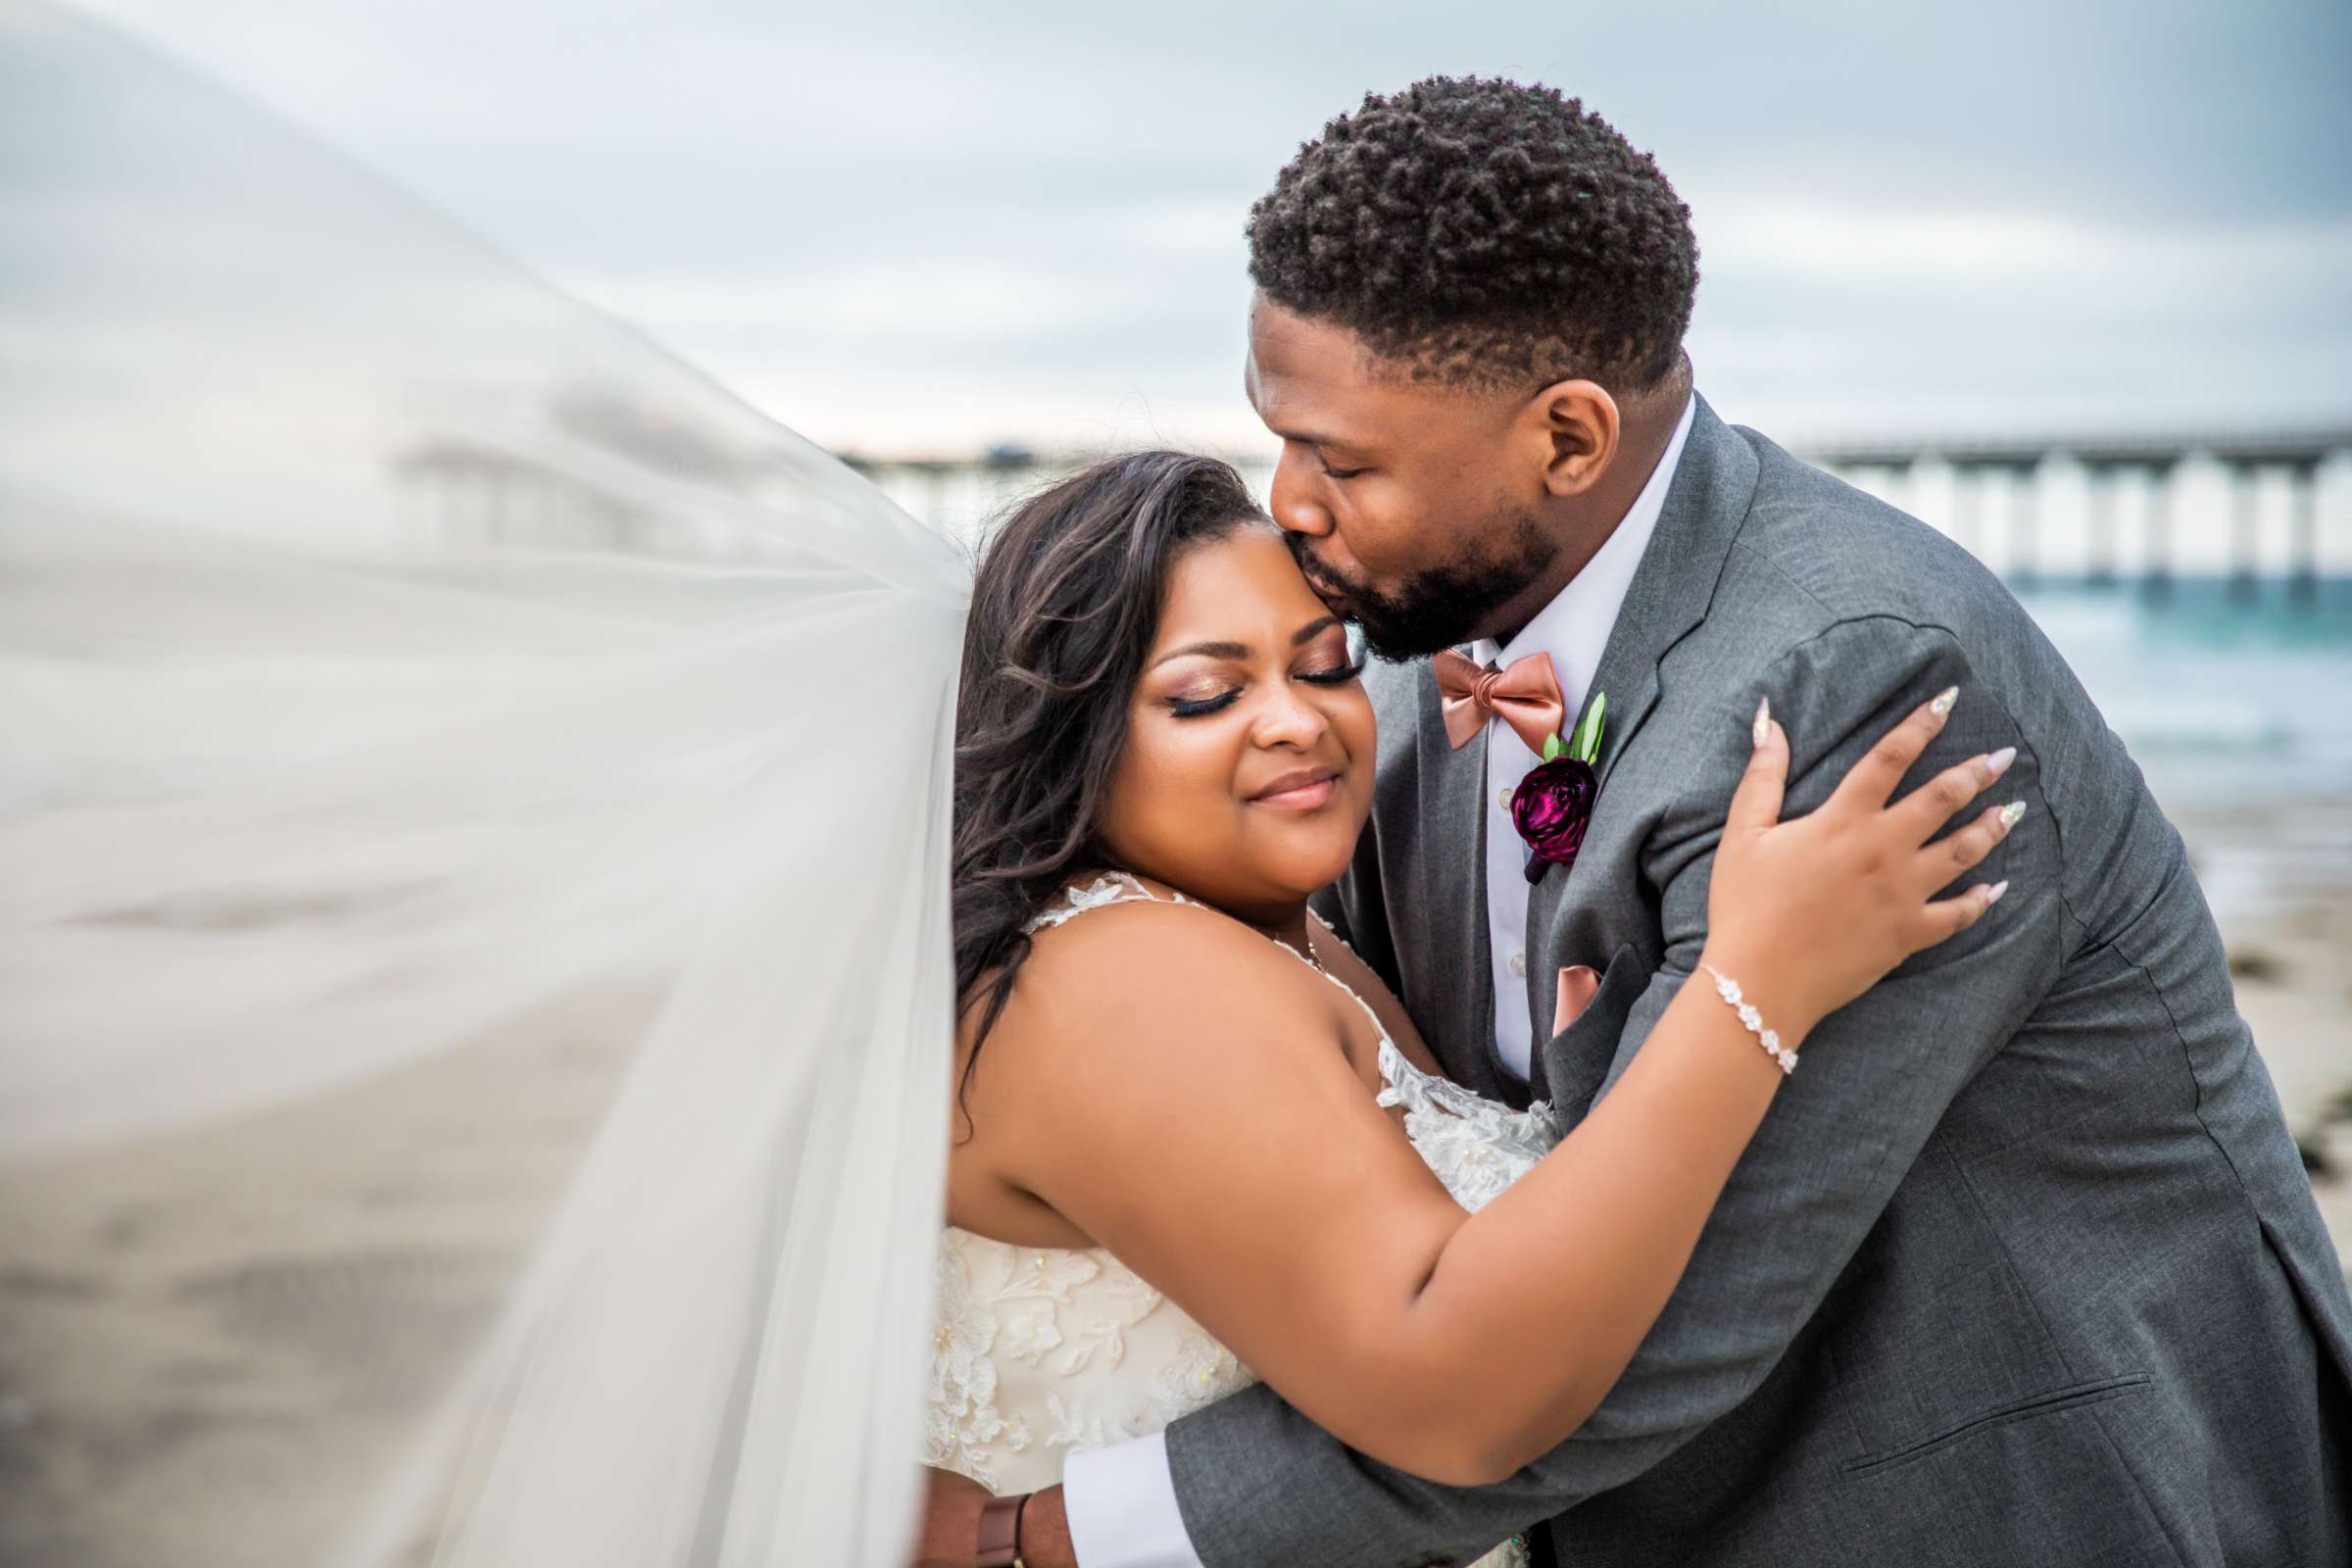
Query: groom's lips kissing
(1323, 580)
(1306, 789)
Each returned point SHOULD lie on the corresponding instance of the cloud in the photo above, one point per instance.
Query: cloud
(913, 218)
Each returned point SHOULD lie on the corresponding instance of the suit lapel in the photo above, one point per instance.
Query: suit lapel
(1706, 500)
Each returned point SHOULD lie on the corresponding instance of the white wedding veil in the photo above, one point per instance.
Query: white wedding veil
(474, 968)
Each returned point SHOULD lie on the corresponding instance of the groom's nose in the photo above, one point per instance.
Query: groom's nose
(1294, 498)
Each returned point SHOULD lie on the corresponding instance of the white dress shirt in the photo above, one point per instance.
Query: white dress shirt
(1121, 1499)
(1573, 629)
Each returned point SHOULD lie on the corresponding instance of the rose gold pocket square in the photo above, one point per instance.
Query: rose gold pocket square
(1577, 982)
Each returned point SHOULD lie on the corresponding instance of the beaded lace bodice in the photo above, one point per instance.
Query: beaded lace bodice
(1040, 1353)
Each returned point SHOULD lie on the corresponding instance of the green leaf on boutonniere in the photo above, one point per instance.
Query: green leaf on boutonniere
(1552, 747)
(1585, 743)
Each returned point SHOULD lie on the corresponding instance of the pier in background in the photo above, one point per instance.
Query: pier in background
(2105, 509)
(2250, 509)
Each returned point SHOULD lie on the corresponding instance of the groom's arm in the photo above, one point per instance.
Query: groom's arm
(1257, 1482)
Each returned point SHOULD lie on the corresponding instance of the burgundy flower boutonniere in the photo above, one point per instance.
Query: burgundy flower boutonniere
(1553, 804)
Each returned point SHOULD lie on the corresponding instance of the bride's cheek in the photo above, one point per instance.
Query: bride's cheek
(1190, 761)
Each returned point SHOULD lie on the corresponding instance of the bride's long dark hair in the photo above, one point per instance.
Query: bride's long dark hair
(1064, 609)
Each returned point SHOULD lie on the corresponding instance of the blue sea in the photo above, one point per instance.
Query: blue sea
(2239, 709)
(2222, 698)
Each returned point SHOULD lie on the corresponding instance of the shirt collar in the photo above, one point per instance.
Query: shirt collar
(1574, 628)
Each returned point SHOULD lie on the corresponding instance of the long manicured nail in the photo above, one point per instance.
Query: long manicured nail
(2009, 814)
(1942, 706)
(1992, 893)
(1761, 729)
(1997, 763)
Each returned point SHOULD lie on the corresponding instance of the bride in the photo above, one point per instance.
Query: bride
(509, 928)
(1173, 1078)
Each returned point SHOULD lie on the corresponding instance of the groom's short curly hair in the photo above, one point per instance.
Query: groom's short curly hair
(1480, 232)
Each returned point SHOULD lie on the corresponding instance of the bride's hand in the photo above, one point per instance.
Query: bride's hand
(1809, 913)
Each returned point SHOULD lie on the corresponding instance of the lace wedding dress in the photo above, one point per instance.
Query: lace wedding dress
(1042, 1353)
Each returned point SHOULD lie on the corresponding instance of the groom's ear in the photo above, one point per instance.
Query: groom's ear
(1576, 425)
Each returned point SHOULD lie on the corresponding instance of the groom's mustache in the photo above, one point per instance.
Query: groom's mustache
(1333, 590)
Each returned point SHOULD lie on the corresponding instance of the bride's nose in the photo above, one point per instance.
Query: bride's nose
(1288, 718)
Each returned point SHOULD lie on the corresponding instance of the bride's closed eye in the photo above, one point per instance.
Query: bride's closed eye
(1334, 675)
(1202, 707)
(1333, 659)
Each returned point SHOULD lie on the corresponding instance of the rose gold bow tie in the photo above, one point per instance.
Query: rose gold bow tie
(1524, 694)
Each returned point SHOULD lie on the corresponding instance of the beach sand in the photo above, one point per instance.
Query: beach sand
(2281, 879)
(197, 1349)
(208, 1341)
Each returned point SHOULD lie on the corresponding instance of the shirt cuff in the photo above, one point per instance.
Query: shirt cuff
(1120, 1503)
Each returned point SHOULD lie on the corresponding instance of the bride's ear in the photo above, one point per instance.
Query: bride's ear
(1578, 425)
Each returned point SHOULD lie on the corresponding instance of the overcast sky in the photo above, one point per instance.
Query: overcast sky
(926, 227)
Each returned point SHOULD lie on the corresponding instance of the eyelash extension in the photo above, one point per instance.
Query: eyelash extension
(1205, 705)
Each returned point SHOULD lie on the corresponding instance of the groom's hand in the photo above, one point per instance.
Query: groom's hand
(951, 1528)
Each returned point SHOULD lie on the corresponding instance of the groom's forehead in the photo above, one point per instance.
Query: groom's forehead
(1297, 413)
(1312, 382)
(1285, 343)
(1356, 415)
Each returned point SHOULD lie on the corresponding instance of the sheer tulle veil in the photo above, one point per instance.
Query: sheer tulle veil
(474, 977)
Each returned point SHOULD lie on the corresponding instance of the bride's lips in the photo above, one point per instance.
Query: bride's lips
(1304, 790)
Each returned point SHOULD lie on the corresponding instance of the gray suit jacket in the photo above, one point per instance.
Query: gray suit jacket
(2022, 1268)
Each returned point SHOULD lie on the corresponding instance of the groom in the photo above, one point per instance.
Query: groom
(2023, 1268)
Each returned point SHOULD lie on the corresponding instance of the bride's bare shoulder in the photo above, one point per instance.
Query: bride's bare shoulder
(1124, 1010)
(1118, 974)
(1139, 948)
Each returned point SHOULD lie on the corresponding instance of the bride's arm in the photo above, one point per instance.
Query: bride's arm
(1176, 1087)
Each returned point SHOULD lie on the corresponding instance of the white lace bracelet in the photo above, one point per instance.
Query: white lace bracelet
(1751, 1019)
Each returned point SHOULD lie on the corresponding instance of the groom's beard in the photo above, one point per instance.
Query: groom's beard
(1441, 607)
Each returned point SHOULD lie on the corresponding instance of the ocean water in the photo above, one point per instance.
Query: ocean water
(2222, 700)
(2238, 710)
